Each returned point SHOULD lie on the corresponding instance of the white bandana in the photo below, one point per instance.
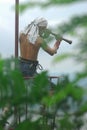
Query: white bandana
(32, 29)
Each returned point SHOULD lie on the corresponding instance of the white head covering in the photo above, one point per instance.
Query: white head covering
(32, 29)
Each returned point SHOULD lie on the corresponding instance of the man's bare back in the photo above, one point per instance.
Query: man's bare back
(27, 50)
(30, 51)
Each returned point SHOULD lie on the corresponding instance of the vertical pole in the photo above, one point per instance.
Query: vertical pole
(16, 42)
(16, 26)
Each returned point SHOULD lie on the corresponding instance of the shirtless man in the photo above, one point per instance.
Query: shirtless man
(31, 39)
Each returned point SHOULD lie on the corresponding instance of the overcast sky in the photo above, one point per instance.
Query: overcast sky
(54, 15)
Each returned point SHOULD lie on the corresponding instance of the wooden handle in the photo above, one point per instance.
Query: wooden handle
(59, 37)
(66, 40)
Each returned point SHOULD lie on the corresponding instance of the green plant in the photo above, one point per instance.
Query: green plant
(60, 105)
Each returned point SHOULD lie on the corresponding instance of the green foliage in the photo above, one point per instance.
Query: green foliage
(28, 124)
(45, 4)
(66, 123)
(1, 128)
(75, 23)
(61, 58)
(35, 125)
(10, 79)
(44, 100)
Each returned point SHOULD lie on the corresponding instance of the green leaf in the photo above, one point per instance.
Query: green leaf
(83, 109)
(1, 128)
(61, 57)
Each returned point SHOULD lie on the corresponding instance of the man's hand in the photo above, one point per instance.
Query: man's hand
(56, 45)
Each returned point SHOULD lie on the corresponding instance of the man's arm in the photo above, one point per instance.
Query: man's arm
(50, 50)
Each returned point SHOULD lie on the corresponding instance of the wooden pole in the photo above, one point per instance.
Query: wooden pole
(16, 26)
(16, 41)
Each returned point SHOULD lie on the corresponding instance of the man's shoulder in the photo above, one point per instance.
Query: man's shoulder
(22, 34)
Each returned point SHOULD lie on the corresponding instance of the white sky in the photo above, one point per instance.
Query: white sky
(54, 15)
